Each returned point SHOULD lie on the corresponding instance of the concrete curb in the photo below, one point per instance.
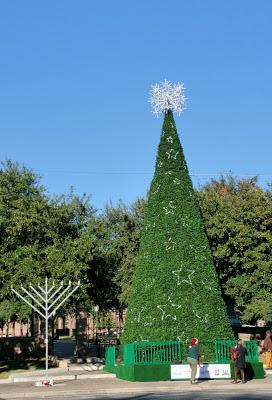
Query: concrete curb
(57, 374)
(5, 381)
(60, 377)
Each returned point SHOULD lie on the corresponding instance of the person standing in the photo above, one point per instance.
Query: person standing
(240, 361)
(267, 346)
(193, 358)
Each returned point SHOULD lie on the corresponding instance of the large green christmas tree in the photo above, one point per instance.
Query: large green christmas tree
(175, 289)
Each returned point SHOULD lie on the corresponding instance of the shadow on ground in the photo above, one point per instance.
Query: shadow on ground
(183, 396)
(20, 364)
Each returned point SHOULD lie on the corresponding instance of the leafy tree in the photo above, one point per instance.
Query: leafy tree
(175, 290)
(128, 243)
(39, 237)
(238, 219)
(22, 234)
(124, 226)
(118, 234)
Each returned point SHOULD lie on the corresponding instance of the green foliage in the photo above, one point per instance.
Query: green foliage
(100, 273)
(62, 238)
(128, 245)
(238, 219)
(118, 234)
(39, 237)
(175, 290)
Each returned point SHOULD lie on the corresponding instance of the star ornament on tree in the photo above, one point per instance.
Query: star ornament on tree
(167, 96)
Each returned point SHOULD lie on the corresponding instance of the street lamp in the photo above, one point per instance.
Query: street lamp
(96, 309)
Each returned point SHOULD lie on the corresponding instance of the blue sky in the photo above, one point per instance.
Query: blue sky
(75, 79)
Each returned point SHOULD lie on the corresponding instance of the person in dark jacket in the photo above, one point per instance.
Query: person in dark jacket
(240, 361)
(193, 358)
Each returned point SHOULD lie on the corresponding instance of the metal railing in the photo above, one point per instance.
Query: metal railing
(151, 352)
(223, 348)
(136, 353)
(110, 356)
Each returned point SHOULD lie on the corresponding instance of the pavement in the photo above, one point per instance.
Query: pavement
(68, 369)
(74, 372)
(81, 382)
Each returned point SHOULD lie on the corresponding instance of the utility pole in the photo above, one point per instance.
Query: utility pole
(46, 302)
(96, 309)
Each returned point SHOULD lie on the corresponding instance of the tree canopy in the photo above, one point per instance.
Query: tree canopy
(64, 238)
(38, 236)
(238, 219)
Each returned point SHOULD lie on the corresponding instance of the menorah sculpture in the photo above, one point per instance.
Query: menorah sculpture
(47, 302)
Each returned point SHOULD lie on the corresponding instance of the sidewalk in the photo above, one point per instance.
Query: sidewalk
(58, 374)
(102, 383)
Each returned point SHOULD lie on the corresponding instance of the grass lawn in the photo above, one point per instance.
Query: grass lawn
(12, 367)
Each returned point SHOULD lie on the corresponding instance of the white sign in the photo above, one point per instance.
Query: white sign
(204, 371)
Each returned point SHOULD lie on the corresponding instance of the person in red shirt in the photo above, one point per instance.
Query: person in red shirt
(267, 346)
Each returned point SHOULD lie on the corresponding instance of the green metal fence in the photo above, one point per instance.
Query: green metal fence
(165, 352)
(110, 356)
(151, 352)
(252, 351)
(223, 348)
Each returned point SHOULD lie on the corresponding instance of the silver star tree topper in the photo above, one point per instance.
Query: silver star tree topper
(167, 96)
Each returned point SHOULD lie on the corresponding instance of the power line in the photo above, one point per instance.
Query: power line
(150, 173)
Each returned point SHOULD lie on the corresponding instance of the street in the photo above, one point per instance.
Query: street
(205, 395)
(103, 387)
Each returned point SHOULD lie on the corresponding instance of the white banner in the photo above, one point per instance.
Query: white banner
(205, 371)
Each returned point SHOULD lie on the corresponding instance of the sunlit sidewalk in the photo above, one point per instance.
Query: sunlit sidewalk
(100, 383)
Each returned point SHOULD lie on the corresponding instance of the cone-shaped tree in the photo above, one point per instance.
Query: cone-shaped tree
(175, 289)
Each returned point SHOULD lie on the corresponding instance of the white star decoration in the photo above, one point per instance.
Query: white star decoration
(170, 244)
(169, 139)
(189, 281)
(172, 154)
(158, 189)
(150, 322)
(170, 208)
(178, 274)
(167, 96)
(205, 319)
(164, 309)
(138, 318)
(176, 181)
